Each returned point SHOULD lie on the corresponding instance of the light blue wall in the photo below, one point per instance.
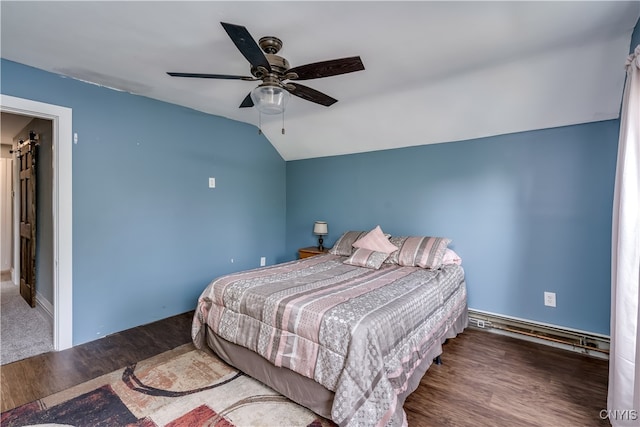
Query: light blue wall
(528, 212)
(148, 233)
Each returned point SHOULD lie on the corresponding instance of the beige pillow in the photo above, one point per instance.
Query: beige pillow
(419, 251)
(344, 245)
(362, 257)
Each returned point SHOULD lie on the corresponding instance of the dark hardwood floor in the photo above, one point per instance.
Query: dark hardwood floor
(485, 379)
(39, 376)
(488, 379)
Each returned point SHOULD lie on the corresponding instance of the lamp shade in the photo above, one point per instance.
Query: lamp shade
(270, 99)
(320, 228)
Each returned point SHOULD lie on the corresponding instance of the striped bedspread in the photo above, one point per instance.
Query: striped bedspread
(357, 331)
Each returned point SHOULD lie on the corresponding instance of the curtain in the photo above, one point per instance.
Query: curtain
(623, 406)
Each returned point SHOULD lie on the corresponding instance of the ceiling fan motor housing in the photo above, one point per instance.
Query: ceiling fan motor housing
(270, 44)
(279, 67)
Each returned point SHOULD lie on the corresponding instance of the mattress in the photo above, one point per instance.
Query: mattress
(348, 342)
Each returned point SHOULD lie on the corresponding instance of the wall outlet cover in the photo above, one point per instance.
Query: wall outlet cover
(550, 299)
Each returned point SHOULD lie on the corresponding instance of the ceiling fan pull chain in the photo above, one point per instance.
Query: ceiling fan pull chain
(283, 122)
(259, 123)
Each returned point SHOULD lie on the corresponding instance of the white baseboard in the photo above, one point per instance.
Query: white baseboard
(44, 307)
(593, 344)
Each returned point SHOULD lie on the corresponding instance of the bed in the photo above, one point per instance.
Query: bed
(346, 340)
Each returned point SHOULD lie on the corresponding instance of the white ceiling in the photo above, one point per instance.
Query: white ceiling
(434, 71)
(11, 125)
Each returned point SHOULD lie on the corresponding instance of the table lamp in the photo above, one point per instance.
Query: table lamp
(320, 228)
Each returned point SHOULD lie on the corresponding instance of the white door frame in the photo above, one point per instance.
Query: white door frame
(62, 211)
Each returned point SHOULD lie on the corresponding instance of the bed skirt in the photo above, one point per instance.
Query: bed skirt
(303, 390)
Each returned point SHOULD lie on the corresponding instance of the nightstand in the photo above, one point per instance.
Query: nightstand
(311, 251)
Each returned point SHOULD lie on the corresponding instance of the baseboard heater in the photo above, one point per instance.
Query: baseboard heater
(578, 341)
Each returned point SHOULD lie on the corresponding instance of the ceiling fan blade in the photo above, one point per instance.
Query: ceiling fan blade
(309, 94)
(247, 101)
(212, 76)
(247, 45)
(329, 68)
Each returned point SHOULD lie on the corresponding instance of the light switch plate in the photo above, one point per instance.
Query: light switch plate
(212, 183)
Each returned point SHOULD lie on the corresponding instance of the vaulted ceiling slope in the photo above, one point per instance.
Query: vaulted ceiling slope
(434, 71)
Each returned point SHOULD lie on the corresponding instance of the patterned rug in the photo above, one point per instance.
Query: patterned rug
(181, 387)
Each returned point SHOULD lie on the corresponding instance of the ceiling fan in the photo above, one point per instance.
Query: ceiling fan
(271, 96)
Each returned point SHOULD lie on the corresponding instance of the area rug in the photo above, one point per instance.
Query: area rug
(181, 387)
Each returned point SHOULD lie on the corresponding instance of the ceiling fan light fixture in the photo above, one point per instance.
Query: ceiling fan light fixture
(270, 99)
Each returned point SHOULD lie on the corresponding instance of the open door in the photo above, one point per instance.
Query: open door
(62, 196)
(27, 158)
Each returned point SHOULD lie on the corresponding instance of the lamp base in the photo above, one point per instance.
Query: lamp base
(320, 241)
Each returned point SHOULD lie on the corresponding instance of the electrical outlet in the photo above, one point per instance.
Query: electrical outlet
(263, 261)
(550, 299)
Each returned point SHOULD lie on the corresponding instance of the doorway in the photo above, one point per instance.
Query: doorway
(27, 322)
(61, 208)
